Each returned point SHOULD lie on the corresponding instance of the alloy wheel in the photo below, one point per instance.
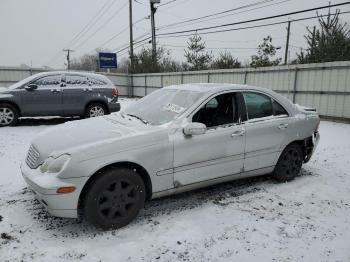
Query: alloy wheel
(96, 111)
(7, 116)
(118, 201)
(291, 162)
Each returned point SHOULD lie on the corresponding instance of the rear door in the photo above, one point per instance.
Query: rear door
(266, 130)
(76, 93)
(46, 99)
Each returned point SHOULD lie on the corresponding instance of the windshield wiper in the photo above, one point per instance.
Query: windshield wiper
(139, 118)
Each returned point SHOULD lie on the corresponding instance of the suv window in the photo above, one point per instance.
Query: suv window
(278, 110)
(96, 82)
(75, 80)
(258, 105)
(47, 81)
(220, 110)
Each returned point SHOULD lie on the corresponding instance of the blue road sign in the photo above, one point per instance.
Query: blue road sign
(107, 60)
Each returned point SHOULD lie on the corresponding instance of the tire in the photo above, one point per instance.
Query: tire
(95, 110)
(114, 199)
(8, 115)
(289, 163)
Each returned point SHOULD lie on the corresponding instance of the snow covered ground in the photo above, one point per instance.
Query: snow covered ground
(258, 219)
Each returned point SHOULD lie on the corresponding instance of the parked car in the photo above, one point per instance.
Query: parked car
(58, 94)
(176, 139)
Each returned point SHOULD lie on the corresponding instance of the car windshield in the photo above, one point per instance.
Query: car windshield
(162, 106)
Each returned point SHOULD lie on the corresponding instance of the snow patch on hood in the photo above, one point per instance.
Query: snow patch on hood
(85, 133)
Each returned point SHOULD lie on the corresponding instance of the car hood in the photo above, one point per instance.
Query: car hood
(83, 134)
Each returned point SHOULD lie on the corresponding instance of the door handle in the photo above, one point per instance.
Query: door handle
(56, 90)
(238, 133)
(283, 126)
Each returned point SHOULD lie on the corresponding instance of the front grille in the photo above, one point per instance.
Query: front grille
(32, 157)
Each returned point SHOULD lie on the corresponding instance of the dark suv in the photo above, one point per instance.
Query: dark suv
(58, 94)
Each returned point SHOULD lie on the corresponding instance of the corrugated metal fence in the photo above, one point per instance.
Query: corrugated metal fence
(324, 86)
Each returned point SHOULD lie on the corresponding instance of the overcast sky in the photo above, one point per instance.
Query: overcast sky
(35, 31)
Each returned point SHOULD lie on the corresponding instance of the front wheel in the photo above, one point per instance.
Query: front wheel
(114, 199)
(289, 164)
(8, 115)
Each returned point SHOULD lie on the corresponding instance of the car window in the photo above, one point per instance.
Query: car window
(220, 110)
(213, 103)
(96, 82)
(75, 80)
(278, 110)
(48, 81)
(258, 105)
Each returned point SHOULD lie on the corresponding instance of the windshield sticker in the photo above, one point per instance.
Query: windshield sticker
(173, 108)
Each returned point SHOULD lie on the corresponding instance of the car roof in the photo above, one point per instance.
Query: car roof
(216, 87)
(213, 88)
(48, 73)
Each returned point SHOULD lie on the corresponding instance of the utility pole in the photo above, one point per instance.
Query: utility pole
(131, 38)
(68, 57)
(287, 44)
(154, 47)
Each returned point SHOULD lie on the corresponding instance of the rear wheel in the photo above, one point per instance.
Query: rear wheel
(8, 115)
(289, 164)
(95, 110)
(114, 199)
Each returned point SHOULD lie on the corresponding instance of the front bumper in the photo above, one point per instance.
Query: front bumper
(45, 185)
(114, 107)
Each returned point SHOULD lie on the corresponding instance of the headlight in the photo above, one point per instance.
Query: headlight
(55, 165)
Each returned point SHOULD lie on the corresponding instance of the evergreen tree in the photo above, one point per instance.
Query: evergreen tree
(266, 52)
(196, 56)
(329, 42)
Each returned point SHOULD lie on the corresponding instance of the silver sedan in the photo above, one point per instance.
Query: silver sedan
(176, 139)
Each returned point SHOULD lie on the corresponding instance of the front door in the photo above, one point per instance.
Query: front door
(45, 99)
(217, 153)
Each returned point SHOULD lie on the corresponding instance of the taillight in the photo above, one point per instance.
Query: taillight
(114, 92)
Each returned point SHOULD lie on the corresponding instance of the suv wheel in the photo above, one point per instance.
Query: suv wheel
(289, 164)
(8, 115)
(114, 199)
(95, 110)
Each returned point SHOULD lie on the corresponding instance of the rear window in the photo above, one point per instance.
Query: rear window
(97, 82)
(278, 110)
(258, 105)
(75, 80)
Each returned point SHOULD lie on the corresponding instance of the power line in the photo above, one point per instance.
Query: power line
(102, 25)
(178, 3)
(248, 27)
(218, 13)
(98, 15)
(223, 16)
(216, 48)
(229, 30)
(257, 19)
(121, 31)
(92, 21)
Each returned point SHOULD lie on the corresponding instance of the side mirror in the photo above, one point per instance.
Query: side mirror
(194, 129)
(31, 87)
